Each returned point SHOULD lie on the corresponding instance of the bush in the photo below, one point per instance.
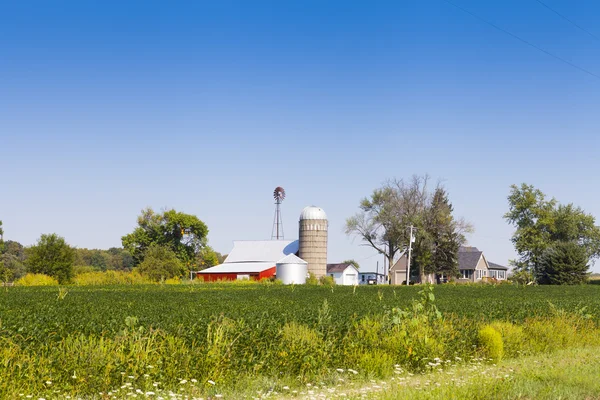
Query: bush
(36, 280)
(327, 280)
(110, 278)
(490, 342)
(312, 279)
(513, 338)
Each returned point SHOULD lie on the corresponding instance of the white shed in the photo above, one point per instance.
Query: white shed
(343, 273)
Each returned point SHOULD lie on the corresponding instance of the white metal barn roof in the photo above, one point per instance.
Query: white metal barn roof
(245, 251)
(237, 268)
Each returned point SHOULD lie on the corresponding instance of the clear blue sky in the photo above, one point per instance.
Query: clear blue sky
(107, 107)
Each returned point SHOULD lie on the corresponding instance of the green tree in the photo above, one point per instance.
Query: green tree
(183, 234)
(446, 235)
(385, 218)
(1, 238)
(51, 256)
(565, 263)
(353, 263)
(160, 263)
(541, 224)
(207, 258)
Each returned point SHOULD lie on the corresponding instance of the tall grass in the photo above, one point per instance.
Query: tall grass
(414, 338)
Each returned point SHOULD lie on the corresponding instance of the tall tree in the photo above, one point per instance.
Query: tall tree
(565, 263)
(184, 234)
(542, 224)
(161, 263)
(446, 233)
(1, 238)
(207, 258)
(51, 256)
(384, 220)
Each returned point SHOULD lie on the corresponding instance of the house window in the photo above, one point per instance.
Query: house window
(466, 273)
(501, 275)
(363, 278)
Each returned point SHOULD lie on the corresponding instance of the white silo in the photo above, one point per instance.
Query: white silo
(291, 270)
(313, 239)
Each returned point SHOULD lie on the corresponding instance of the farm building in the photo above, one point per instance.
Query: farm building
(472, 266)
(289, 260)
(250, 259)
(343, 273)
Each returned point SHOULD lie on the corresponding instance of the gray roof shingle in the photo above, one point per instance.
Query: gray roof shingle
(468, 257)
(497, 266)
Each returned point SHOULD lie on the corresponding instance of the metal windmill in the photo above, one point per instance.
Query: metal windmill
(279, 196)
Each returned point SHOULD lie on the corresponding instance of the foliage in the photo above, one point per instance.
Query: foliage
(327, 280)
(312, 279)
(384, 219)
(231, 333)
(36, 280)
(184, 234)
(353, 262)
(542, 223)
(102, 260)
(5, 273)
(110, 278)
(565, 263)
(207, 258)
(51, 256)
(490, 341)
(161, 263)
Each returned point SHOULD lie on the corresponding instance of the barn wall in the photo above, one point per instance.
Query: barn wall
(267, 273)
(208, 277)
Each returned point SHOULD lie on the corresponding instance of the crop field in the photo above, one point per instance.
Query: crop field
(83, 341)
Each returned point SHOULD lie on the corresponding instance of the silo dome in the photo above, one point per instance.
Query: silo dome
(312, 212)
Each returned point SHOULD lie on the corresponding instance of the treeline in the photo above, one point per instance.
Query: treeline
(16, 260)
(164, 245)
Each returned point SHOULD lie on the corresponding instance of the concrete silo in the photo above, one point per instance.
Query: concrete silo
(313, 239)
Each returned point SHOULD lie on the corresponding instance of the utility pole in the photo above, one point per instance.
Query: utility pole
(410, 242)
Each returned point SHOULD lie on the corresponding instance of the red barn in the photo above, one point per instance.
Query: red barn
(250, 259)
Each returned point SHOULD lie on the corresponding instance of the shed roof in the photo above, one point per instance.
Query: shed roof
(497, 266)
(238, 268)
(261, 250)
(341, 267)
(468, 257)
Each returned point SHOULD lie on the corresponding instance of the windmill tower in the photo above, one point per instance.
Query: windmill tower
(279, 196)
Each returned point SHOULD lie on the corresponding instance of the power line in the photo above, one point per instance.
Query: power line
(568, 20)
(523, 40)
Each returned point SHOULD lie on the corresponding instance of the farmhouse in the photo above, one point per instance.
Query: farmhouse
(472, 266)
(343, 273)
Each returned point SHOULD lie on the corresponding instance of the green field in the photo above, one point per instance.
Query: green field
(87, 340)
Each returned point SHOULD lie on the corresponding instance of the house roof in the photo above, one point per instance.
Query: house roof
(261, 250)
(341, 267)
(497, 266)
(468, 257)
(238, 268)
